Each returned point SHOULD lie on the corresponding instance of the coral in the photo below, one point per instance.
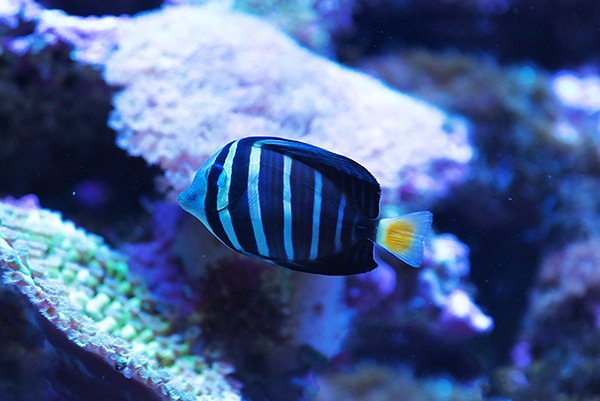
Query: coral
(578, 91)
(162, 270)
(533, 181)
(315, 24)
(187, 269)
(443, 285)
(44, 95)
(312, 23)
(369, 382)
(53, 112)
(278, 308)
(100, 318)
(536, 134)
(437, 296)
(419, 317)
(157, 113)
(513, 114)
(557, 355)
(529, 139)
(256, 294)
(13, 13)
(318, 307)
(259, 317)
(242, 90)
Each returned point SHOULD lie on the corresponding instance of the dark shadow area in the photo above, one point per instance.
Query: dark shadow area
(554, 34)
(57, 146)
(99, 8)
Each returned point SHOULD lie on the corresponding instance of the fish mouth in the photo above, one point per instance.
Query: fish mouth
(187, 200)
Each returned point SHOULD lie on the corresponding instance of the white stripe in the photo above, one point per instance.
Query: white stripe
(223, 199)
(338, 228)
(287, 208)
(316, 218)
(254, 202)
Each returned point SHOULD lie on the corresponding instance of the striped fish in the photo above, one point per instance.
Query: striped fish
(299, 206)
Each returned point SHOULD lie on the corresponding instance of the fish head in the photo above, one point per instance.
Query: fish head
(210, 176)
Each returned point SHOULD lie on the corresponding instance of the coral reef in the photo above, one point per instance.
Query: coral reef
(312, 23)
(257, 295)
(533, 181)
(271, 93)
(184, 86)
(557, 355)
(437, 296)
(99, 316)
(369, 382)
(163, 272)
(259, 92)
(277, 311)
(578, 90)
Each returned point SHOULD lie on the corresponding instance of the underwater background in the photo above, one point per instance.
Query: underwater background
(486, 112)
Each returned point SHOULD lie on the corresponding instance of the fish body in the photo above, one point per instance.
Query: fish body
(299, 206)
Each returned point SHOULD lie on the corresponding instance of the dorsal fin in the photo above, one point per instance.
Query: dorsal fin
(355, 260)
(353, 179)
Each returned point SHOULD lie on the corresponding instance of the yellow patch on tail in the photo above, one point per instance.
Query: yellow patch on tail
(404, 236)
(399, 236)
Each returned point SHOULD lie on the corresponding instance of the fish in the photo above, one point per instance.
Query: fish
(301, 207)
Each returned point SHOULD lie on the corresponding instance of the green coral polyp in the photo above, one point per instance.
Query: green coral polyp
(87, 291)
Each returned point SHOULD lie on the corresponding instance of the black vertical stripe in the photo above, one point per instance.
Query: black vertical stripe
(302, 190)
(271, 201)
(238, 197)
(210, 203)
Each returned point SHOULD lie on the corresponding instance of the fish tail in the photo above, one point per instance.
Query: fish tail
(404, 236)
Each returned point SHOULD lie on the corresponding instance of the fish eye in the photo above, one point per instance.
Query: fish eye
(218, 172)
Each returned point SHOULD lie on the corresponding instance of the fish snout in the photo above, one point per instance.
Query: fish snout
(188, 200)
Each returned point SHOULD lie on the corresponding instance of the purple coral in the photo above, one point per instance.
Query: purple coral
(437, 296)
(277, 95)
(255, 96)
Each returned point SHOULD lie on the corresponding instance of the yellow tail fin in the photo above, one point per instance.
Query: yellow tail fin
(404, 236)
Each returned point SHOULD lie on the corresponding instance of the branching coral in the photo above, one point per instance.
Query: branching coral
(101, 315)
